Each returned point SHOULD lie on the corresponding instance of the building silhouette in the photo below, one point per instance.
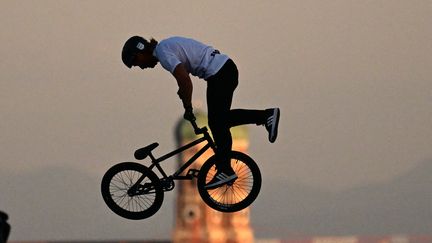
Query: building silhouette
(195, 221)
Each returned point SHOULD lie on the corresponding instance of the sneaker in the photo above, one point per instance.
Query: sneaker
(272, 124)
(221, 178)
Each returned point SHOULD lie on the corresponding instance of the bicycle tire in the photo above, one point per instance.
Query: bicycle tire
(119, 179)
(235, 197)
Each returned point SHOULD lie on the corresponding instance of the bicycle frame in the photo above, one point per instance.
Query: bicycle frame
(143, 198)
(176, 175)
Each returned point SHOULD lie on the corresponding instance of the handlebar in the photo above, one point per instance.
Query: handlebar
(198, 130)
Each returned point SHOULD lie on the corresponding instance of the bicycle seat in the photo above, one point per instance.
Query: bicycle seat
(142, 153)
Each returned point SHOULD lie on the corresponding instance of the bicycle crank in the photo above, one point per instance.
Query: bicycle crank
(139, 189)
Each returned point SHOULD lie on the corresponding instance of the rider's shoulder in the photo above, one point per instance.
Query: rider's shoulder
(168, 43)
(176, 40)
(172, 39)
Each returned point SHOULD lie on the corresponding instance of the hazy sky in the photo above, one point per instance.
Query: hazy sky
(352, 79)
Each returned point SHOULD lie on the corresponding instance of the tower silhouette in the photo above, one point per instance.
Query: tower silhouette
(195, 221)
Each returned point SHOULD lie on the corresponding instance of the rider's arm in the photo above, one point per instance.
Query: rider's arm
(185, 85)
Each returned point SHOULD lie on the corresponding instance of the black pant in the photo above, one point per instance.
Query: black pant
(220, 90)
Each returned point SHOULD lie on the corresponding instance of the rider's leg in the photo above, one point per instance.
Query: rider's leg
(220, 89)
(242, 116)
(224, 79)
(220, 92)
(269, 118)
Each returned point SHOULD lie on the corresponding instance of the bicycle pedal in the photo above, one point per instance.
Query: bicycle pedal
(193, 173)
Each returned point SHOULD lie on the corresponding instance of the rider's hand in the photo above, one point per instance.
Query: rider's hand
(188, 115)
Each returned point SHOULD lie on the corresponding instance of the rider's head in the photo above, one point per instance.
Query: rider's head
(137, 51)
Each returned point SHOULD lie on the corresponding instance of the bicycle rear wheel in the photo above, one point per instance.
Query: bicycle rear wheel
(128, 199)
(234, 196)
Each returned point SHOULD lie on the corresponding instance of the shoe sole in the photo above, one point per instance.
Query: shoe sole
(221, 183)
(274, 129)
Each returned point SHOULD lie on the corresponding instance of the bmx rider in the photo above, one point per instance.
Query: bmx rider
(184, 56)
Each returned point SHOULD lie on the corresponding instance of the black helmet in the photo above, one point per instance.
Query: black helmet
(132, 46)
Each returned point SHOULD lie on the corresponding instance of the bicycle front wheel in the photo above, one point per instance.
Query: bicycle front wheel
(127, 198)
(234, 196)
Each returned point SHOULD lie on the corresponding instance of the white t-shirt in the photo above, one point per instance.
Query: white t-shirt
(199, 59)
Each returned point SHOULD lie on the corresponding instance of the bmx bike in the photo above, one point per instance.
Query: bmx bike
(134, 191)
